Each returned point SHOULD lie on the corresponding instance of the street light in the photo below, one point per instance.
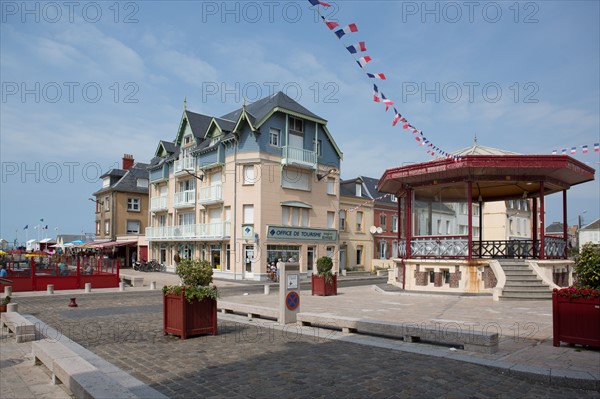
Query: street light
(96, 201)
(580, 219)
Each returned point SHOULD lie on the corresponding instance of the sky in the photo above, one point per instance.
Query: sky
(85, 82)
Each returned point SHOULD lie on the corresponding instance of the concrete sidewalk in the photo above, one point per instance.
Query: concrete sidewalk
(525, 329)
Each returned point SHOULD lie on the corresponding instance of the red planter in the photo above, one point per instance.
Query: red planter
(187, 319)
(576, 320)
(320, 287)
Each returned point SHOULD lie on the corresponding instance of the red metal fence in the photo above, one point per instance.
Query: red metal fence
(62, 271)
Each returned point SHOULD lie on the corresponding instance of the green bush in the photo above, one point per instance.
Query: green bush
(196, 276)
(587, 267)
(324, 265)
(194, 273)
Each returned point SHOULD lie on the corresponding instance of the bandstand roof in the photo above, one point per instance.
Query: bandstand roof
(495, 176)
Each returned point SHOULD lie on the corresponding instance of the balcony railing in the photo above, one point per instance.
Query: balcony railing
(187, 163)
(298, 156)
(158, 203)
(184, 199)
(211, 195)
(189, 232)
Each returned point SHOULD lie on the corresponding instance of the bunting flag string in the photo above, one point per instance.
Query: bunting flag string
(573, 150)
(354, 208)
(378, 96)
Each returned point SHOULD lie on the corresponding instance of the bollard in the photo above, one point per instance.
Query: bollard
(73, 303)
(88, 287)
(8, 291)
(153, 285)
(50, 288)
(121, 286)
(12, 307)
(267, 289)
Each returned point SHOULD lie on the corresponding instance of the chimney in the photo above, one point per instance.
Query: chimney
(127, 161)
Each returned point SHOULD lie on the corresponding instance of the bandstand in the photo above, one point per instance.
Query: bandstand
(445, 238)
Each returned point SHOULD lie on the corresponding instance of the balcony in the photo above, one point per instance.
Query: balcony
(211, 195)
(187, 163)
(207, 231)
(298, 157)
(184, 199)
(158, 203)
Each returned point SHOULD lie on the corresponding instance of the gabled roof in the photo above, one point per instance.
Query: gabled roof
(370, 184)
(555, 227)
(128, 182)
(348, 188)
(113, 173)
(595, 225)
(198, 123)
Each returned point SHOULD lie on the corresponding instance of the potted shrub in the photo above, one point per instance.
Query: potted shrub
(576, 309)
(324, 282)
(191, 308)
(4, 303)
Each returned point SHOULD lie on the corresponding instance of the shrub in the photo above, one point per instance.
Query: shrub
(196, 276)
(587, 267)
(324, 266)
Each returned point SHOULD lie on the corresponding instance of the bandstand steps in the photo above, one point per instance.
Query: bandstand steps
(522, 283)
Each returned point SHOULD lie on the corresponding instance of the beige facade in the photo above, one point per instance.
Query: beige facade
(507, 220)
(222, 193)
(121, 214)
(356, 241)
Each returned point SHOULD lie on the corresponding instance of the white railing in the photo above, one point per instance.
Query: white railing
(299, 156)
(211, 194)
(439, 246)
(187, 163)
(184, 198)
(216, 230)
(158, 203)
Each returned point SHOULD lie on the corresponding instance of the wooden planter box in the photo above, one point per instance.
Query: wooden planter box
(187, 319)
(319, 287)
(576, 320)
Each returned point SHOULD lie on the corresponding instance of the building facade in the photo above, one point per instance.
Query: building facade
(122, 207)
(246, 189)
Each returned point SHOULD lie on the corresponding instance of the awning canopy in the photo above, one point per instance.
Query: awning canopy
(111, 244)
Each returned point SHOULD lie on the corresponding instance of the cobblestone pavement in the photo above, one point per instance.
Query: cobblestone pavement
(249, 361)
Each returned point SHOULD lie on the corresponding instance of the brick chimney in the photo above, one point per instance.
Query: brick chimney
(127, 161)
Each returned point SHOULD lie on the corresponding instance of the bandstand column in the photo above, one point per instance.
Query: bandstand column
(408, 221)
(470, 213)
(534, 225)
(542, 223)
(565, 233)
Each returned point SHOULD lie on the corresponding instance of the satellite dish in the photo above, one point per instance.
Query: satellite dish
(373, 229)
(379, 230)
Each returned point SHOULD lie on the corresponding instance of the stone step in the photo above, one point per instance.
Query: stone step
(526, 290)
(520, 283)
(522, 278)
(523, 267)
(519, 274)
(524, 296)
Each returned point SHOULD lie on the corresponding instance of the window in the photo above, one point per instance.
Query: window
(331, 185)
(359, 255)
(98, 207)
(295, 179)
(475, 210)
(248, 214)
(105, 182)
(133, 204)
(439, 227)
(106, 204)
(463, 208)
(296, 125)
(98, 227)
(187, 219)
(293, 216)
(358, 189)
(187, 140)
(343, 220)
(106, 227)
(383, 221)
(249, 174)
(318, 145)
(395, 224)
(359, 221)
(448, 231)
(382, 249)
(142, 183)
(133, 227)
(330, 219)
(274, 137)
(394, 249)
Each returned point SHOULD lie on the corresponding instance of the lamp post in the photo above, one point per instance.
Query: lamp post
(579, 223)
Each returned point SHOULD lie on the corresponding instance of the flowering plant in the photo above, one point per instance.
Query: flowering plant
(196, 277)
(573, 292)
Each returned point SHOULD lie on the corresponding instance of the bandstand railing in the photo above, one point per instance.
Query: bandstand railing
(457, 247)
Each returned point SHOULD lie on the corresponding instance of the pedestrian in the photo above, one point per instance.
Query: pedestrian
(3, 272)
(279, 266)
(177, 258)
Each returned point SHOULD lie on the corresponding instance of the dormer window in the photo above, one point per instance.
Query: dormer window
(187, 140)
(296, 125)
(105, 182)
(143, 183)
(358, 188)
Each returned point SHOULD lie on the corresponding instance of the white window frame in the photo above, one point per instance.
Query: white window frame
(248, 214)
(342, 218)
(294, 123)
(330, 219)
(331, 186)
(106, 227)
(275, 137)
(249, 173)
(359, 221)
(131, 231)
(133, 204)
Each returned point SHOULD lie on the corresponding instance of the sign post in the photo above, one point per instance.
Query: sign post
(289, 293)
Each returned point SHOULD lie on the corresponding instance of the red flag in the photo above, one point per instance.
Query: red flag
(330, 24)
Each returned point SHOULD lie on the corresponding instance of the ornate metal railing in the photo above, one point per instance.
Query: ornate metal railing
(457, 247)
